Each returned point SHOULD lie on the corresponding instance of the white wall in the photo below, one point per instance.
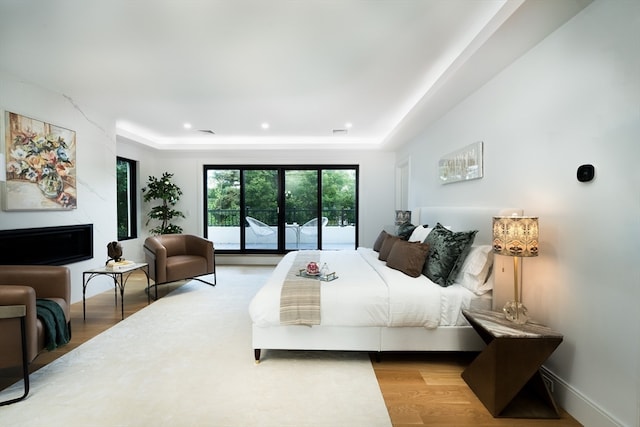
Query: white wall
(573, 99)
(95, 168)
(376, 181)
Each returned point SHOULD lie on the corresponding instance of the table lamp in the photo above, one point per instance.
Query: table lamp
(402, 217)
(515, 236)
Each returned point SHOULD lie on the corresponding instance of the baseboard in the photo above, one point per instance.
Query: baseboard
(577, 404)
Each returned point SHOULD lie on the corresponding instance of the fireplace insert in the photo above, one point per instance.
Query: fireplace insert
(46, 245)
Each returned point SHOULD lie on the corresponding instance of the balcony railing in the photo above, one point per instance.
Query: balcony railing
(231, 217)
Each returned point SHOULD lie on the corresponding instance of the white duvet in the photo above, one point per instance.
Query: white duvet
(367, 293)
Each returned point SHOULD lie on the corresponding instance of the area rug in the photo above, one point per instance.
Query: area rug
(186, 360)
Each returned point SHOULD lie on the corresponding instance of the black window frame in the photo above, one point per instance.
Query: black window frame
(281, 200)
(132, 200)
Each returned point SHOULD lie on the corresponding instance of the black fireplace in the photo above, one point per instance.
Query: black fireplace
(46, 245)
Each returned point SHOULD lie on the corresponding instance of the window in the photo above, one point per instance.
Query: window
(274, 209)
(126, 198)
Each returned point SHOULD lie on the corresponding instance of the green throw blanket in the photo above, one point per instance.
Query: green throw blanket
(55, 324)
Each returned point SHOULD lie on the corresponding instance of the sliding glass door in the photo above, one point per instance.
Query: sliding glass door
(301, 209)
(274, 209)
(339, 208)
(260, 190)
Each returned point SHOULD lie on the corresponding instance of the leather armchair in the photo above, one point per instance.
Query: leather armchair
(173, 257)
(20, 285)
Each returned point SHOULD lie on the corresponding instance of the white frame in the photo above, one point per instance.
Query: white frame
(462, 165)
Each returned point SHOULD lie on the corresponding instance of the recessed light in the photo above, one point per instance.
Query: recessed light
(265, 125)
(348, 125)
(187, 125)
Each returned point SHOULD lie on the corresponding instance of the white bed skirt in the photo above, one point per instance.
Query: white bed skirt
(372, 338)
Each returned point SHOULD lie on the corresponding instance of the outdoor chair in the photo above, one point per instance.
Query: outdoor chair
(310, 228)
(259, 228)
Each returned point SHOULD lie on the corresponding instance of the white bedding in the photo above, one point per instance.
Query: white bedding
(368, 293)
(356, 283)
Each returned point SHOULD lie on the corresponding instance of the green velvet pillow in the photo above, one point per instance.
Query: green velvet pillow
(447, 251)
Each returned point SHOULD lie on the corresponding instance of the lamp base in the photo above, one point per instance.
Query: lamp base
(515, 312)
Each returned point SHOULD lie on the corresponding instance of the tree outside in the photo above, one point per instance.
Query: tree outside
(261, 195)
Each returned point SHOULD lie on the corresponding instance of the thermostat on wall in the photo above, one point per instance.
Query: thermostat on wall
(586, 173)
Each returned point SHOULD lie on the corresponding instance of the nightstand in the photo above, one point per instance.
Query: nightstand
(505, 376)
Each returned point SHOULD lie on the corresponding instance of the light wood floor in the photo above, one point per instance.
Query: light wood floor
(419, 389)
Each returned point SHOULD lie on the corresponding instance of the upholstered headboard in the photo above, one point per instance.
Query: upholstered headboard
(462, 219)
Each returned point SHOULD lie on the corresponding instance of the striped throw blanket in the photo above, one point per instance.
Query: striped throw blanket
(300, 296)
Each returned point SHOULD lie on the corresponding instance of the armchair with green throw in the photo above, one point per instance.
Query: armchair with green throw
(43, 295)
(173, 257)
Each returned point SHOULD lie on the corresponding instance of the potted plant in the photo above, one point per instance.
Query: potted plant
(168, 193)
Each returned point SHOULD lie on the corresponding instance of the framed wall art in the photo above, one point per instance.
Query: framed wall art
(462, 165)
(40, 165)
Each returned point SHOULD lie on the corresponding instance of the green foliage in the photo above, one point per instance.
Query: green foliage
(261, 191)
(122, 187)
(168, 193)
(224, 189)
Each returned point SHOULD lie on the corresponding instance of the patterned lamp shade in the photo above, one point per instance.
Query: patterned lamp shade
(515, 235)
(403, 217)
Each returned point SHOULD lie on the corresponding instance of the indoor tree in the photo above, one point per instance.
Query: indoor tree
(168, 193)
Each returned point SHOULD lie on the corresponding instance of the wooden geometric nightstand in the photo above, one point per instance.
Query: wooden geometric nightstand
(506, 376)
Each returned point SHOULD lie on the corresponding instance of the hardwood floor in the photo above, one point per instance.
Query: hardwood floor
(426, 389)
(419, 389)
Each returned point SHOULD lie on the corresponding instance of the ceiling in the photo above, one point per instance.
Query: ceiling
(340, 73)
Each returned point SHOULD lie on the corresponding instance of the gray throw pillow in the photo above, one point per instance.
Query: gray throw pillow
(405, 230)
(447, 251)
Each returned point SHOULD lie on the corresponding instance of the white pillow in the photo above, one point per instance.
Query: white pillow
(420, 233)
(488, 285)
(475, 269)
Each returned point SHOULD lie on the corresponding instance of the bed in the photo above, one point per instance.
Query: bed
(372, 307)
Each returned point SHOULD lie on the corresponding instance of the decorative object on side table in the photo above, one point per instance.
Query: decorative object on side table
(114, 251)
(506, 375)
(516, 236)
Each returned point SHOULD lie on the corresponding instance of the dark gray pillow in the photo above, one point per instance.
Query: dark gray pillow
(447, 251)
(408, 257)
(405, 230)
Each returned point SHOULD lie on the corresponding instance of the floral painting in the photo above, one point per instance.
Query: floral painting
(40, 165)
